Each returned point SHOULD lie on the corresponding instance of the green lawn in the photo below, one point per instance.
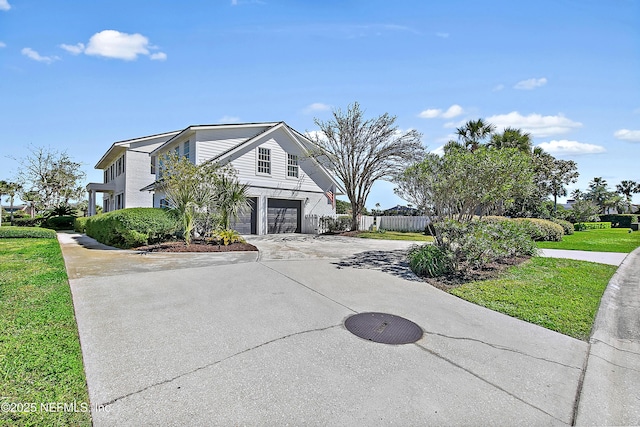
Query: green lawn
(559, 294)
(40, 358)
(603, 240)
(395, 235)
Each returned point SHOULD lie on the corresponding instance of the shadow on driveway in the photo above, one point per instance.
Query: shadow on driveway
(392, 262)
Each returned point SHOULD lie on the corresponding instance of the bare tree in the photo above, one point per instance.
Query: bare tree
(361, 151)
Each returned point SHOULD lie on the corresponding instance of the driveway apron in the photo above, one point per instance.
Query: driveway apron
(237, 339)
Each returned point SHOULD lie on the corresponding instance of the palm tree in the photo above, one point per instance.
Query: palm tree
(3, 192)
(472, 133)
(599, 192)
(511, 138)
(232, 198)
(12, 189)
(627, 188)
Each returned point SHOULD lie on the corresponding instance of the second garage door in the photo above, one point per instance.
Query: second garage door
(283, 216)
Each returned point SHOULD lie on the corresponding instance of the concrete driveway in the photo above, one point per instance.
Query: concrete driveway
(233, 340)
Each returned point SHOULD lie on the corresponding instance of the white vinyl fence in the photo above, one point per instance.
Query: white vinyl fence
(315, 224)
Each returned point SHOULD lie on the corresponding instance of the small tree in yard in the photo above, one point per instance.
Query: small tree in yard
(584, 211)
(361, 151)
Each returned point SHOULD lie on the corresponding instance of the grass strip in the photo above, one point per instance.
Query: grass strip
(559, 294)
(41, 366)
(603, 240)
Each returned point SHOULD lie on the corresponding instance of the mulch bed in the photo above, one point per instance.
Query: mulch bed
(196, 246)
(467, 274)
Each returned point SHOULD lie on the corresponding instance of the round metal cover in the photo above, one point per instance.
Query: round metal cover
(383, 328)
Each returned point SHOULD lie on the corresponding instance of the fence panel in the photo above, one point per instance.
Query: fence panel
(402, 223)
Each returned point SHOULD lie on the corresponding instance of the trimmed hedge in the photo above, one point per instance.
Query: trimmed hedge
(129, 228)
(26, 232)
(80, 224)
(28, 222)
(566, 225)
(592, 225)
(620, 220)
(64, 222)
(541, 229)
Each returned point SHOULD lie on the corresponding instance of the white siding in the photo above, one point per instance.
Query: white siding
(138, 175)
(213, 142)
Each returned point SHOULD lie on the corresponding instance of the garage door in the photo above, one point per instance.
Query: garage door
(283, 216)
(247, 220)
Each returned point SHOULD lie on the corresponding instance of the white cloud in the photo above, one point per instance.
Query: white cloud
(32, 54)
(75, 49)
(454, 111)
(158, 56)
(565, 147)
(315, 107)
(228, 119)
(4, 5)
(628, 135)
(498, 88)
(530, 84)
(439, 151)
(2, 45)
(114, 44)
(535, 124)
(432, 113)
(442, 35)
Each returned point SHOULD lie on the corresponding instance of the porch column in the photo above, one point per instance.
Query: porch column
(91, 210)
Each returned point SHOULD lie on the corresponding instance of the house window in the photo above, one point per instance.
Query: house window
(111, 175)
(264, 160)
(153, 165)
(106, 176)
(120, 201)
(177, 150)
(185, 150)
(164, 204)
(292, 165)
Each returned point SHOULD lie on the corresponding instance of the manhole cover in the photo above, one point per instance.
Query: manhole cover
(383, 328)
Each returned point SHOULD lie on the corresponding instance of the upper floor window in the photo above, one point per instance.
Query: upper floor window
(177, 150)
(264, 160)
(153, 165)
(185, 150)
(292, 165)
(106, 176)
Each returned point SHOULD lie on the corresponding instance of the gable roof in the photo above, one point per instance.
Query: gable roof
(119, 147)
(189, 130)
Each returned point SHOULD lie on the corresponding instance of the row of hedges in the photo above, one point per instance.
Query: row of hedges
(620, 220)
(130, 228)
(538, 229)
(581, 226)
(26, 232)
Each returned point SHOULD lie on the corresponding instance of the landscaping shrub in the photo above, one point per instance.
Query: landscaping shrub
(430, 260)
(620, 220)
(566, 225)
(541, 229)
(26, 232)
(80, 224)
(581, 226)
(60, 222)
(127, 228)
(479, 243)
(28, 222)
(225, 237)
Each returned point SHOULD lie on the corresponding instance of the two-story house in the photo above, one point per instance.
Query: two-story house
(285, 184)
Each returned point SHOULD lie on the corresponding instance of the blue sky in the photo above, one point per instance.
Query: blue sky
(78, 76)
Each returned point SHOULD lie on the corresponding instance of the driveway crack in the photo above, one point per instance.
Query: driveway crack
(503, 348)
(224, 359)
(486, 381)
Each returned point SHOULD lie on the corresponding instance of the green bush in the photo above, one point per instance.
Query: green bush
(80, 224)
(21, 232)
(430, 260)
(541, 229)
(620, 220)
(581, 226)
(479, 243)
(127, 228)
(566, 225)
(225, 237)
(28, 222)
(60, 222)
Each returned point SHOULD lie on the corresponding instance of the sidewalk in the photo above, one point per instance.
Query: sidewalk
(612, 258)
(611, 388)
